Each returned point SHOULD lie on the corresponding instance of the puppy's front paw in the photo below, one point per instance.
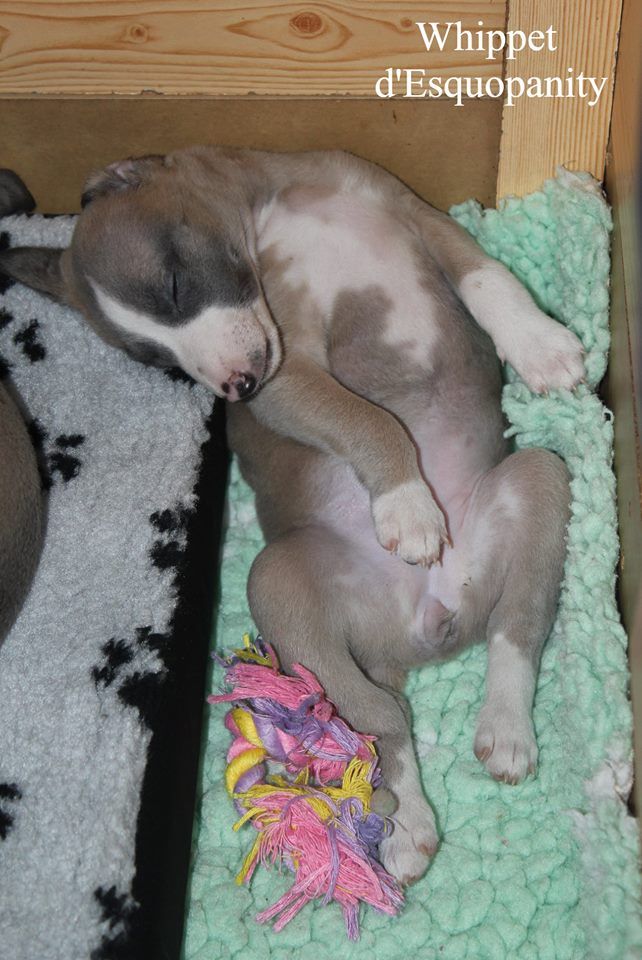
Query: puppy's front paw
(505, 744)
(409, 523)
(406, 853)
(548, 356)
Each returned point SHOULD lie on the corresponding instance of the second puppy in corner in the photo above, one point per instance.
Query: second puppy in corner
(21, 507)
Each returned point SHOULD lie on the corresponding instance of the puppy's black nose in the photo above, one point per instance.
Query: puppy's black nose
(245, 385)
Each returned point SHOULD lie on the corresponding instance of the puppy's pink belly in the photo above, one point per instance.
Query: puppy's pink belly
(343, 503)
(428, 596)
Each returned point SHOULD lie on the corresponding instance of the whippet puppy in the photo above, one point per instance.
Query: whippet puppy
(364, 331)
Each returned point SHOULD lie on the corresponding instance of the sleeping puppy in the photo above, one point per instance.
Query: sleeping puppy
(363, 330)
(21, 513)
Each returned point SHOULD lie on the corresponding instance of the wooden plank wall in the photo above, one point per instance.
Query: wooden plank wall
(417, 141)
(229, 47)
(277, 48)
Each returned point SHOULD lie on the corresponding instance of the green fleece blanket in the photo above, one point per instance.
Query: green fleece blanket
(547, 870)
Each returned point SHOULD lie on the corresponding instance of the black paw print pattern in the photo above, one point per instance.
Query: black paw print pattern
(5, 319)
(117, 654)
(168, 550)
(28, 339)
(136, 688)
(118, 910)
(60, 461)
(10, 794)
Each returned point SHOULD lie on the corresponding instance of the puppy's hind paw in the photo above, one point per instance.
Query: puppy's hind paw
(407, 852)
(507, 747)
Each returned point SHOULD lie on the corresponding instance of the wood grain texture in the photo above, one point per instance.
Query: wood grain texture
(54, 144)
(538, 135)
(228, 47)
(624, 384)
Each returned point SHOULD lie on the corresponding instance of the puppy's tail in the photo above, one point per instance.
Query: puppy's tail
(21, 506)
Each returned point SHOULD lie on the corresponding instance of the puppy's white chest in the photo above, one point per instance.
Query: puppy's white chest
(340, 244)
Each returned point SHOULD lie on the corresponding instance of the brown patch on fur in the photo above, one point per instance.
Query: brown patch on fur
(358, 354)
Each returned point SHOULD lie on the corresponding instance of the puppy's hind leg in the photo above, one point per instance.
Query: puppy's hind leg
(306, 599)
(528, 495)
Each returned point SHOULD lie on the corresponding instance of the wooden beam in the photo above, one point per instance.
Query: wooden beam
(540, 134)
(229, 47)
(624, 382)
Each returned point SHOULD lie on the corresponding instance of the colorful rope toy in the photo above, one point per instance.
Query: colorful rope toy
(304, 779)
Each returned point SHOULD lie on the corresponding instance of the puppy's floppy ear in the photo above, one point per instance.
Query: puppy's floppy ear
(37, 267)
(14, 196)
(122, 175)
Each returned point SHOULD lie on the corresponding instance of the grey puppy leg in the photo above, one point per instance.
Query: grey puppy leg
(306, 593)
(20, 512)
(20, 495)
(528, 494)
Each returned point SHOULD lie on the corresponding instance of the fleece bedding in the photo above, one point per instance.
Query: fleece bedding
(547, 870)
(102, 677)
